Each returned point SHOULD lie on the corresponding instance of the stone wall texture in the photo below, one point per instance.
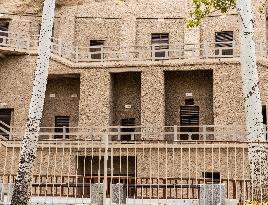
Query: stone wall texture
(155, 89)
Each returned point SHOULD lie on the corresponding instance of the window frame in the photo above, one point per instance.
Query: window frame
(96, 46)
(225, 42)
(156, 44)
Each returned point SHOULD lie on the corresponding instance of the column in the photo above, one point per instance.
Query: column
(152, 100)
(94, 104)
(67, 26)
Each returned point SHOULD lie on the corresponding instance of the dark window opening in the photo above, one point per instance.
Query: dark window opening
(160, 41)
(224, 39)
(3, 31)
(5, 117)
(128, 122)
(189, 121)
(62, 126)
(212, 176)
(96, 48)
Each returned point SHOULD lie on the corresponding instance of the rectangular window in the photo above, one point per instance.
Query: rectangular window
(62, 124)
(96, 48)
(224, 40)
(213, 177)
(5, 118)
(160, 43)
(3, 31)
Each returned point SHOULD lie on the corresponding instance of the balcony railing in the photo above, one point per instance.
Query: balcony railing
(139, 133)
(29, 43)
(146, 169)
(155, 164)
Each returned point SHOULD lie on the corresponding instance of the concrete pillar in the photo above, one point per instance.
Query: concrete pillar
(96, 193)
(118, 194)
(212, 194)
(94, 104)
(128, 30)
(152, 100)
(67, 26)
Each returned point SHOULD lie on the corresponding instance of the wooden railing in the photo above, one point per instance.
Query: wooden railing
(137, 187)
(29, 43)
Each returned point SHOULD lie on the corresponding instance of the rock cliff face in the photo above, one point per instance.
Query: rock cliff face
(31, 6)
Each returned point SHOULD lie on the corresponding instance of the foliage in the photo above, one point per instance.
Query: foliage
(203, 8)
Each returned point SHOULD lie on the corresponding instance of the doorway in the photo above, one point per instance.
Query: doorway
(189, 120)
(128, 123)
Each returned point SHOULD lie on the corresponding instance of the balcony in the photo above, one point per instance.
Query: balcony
(14, 43)
(196, 134)
(155, 165)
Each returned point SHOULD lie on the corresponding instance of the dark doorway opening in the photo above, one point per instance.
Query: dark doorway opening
(62, 126)
(129, 123)
(189, 120)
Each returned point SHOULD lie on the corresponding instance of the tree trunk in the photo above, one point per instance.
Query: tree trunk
(21, 194)
(254, 120)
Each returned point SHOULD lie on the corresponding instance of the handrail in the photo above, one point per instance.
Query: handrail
(140, 133)
(77, 54)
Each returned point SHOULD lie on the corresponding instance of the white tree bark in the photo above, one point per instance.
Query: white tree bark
(21, 194)
(254, 120)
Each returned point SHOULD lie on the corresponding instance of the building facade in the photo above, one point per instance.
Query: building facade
(132, 63)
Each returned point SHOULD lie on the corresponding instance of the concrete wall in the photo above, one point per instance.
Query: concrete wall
(79, 24)
(63, 104)
(16, 75)
(87, 29)
(95, 98)
(200, 84)
(126, 91)
(227, 95)
(152, 98)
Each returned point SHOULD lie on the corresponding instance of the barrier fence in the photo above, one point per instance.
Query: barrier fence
(145, 169)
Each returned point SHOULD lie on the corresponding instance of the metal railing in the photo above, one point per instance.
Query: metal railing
(153, 164)
(138, 133)
(147, 170)
(29, 43)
